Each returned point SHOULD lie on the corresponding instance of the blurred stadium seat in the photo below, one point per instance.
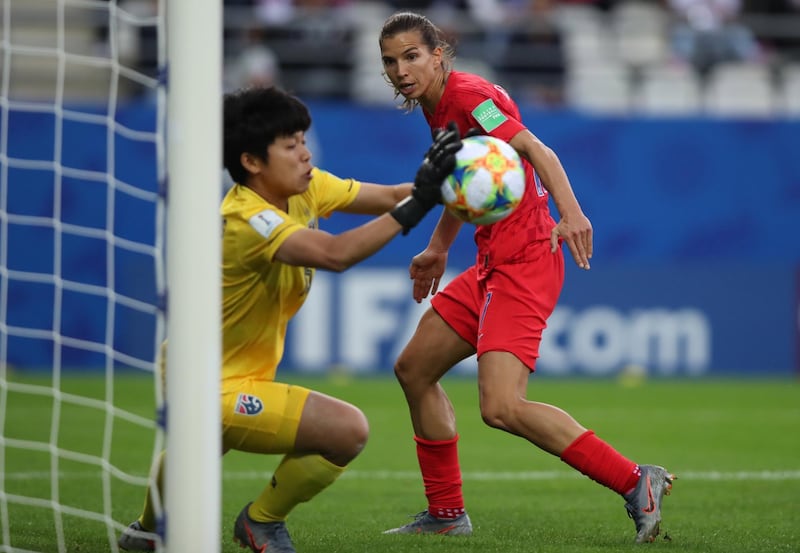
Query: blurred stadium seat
(640, 32)
(32, 52)
(367, 84)
(585, 35)
(790, 89)
(604, 88)
(741, 89)
(668, 89)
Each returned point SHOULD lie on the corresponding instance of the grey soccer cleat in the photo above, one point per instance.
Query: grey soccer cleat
(426, 523)
(136, 538)
(261, 537)
(644, 502)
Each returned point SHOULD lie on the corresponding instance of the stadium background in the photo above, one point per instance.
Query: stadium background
(697, 259)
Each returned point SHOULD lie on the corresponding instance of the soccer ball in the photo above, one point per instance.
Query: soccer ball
(487, 183)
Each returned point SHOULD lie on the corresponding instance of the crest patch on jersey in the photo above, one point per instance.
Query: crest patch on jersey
(265, 222)
(248, 405)
(488, 115)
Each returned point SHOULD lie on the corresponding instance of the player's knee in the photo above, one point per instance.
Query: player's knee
(355, 431)
(414, 370)
(404, 369)
(498, 414)
(494, 419)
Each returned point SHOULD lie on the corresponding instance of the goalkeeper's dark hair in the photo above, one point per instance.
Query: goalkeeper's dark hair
(253, 118)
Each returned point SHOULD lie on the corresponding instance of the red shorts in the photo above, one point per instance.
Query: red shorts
(508, 309)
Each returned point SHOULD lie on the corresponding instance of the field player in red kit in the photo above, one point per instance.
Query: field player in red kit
(497, 308)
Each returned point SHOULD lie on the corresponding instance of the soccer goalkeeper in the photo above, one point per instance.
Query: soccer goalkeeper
(271, 246)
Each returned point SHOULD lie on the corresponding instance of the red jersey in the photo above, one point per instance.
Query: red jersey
(473, 102)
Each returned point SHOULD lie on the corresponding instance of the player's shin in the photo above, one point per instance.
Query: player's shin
(297, 479)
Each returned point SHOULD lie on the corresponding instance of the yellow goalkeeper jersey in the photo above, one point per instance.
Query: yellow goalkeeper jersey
(260, 295)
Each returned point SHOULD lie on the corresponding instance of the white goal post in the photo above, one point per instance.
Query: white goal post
(193, 488)
(101, 258)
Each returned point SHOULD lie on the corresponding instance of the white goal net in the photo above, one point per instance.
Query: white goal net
(82, 273)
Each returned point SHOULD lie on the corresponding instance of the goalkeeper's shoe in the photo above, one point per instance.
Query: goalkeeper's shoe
(262, 537)
(426, 523)
(136, 538)
(644, 502)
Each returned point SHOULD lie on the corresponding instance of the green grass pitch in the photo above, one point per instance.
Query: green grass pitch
(734, 445)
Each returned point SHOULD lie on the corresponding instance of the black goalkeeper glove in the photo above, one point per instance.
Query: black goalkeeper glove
(439, 162)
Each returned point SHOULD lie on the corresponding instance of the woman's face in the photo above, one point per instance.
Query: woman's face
(413, 69)
(288, 168)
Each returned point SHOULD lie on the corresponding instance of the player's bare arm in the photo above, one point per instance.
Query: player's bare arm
(375, 199)
(316, 248)
(574, 227)
(445, 232)
(427, 267)
(337, 252)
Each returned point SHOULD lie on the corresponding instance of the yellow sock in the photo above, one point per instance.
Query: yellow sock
(148, 518)
(297, 479)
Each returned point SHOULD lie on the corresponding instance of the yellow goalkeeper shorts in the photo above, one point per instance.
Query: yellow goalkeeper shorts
(262, 416)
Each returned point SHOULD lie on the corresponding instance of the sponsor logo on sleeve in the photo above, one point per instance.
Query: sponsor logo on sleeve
(266, 222)
(488, 115)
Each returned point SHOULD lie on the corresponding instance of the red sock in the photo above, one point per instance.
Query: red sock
(441, 474)
(602, 463)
